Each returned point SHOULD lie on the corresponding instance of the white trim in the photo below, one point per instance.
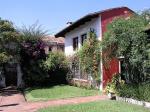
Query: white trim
(101, 63)
(100, 25)
(79, 42)
(119, 66)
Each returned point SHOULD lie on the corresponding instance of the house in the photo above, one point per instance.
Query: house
(53, 44)
(76, 33)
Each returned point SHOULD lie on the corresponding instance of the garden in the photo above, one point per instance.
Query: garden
(48, 76)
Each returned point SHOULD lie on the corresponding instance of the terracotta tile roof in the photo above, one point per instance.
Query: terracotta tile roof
(52, 39)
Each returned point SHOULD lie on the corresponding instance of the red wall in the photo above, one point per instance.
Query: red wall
(106, 18)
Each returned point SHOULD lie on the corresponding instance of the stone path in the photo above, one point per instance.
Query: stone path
(14, 102)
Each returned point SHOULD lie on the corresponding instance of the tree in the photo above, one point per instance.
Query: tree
(126, 37)
(9, 42)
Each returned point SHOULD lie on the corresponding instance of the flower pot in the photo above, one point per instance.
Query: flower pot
(111, 95)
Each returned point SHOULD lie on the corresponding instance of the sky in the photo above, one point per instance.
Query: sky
(54, 14)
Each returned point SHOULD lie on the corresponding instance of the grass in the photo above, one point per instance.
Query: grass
(57, 92)
(100, 106)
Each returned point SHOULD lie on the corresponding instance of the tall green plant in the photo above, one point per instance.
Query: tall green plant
(126, 37)
(9, 41)
(89, 55)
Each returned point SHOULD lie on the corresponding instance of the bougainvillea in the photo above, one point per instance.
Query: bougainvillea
(32, 54)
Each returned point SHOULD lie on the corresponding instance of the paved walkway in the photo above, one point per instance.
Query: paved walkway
(15, 102)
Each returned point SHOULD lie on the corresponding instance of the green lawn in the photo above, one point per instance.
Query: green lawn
(101, 106)
(57, 92)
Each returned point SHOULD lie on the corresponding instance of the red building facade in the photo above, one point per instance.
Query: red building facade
(106, 18)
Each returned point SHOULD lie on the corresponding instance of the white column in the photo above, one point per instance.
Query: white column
(101, 67)
(20, 82)
(79, 41)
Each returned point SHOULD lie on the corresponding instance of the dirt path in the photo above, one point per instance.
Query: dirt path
(13, 101)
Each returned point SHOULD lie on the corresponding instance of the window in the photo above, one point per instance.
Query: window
(83, 38)
(123, 70)
(75, 43)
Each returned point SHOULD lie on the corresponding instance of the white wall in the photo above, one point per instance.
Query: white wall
(77, 32)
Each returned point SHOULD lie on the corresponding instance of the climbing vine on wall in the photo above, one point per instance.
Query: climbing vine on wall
(126, 38)
(89, 56)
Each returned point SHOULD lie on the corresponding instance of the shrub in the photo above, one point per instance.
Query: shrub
(144, 92)
(135, 91)
(55, 60)
(128, 91)
(45, 71)
(139, 92)
(57, 67)
(33, 74)
(115, 83)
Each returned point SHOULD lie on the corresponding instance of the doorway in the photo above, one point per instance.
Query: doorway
(11, 75)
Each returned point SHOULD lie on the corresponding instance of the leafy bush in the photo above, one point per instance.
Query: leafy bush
(139, 92)
(57, 67)
(135, 91)
(41, 70)
(32, 55)
(144, 92)
(128, 91)
(9, 42)
(115, 83)
(4, 57)
(54, 61)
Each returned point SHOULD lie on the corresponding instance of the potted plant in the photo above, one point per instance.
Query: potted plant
(110, 90)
